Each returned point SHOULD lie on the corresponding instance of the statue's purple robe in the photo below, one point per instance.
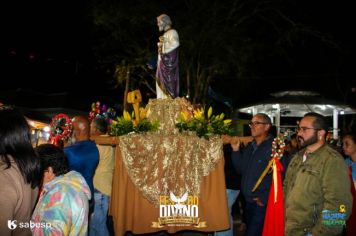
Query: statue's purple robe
(168, 73)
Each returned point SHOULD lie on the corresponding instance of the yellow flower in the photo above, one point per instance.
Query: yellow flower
(199, 113)
(210, 112)
(227, 121)
(204, 123)
(184, 116)
(127, 116)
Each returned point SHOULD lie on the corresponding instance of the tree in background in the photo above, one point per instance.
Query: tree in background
(231, 46)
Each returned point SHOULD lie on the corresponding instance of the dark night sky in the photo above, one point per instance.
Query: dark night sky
(43, 39)
(45, 43)
(45, 48)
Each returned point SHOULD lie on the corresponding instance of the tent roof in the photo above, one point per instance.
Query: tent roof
(297, 103)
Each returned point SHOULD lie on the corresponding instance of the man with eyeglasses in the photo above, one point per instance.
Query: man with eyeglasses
(317, 186)
(250, 163)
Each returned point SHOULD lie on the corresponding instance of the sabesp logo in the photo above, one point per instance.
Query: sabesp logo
(11, 224)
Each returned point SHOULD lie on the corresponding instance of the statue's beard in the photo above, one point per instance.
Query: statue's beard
(161, 28)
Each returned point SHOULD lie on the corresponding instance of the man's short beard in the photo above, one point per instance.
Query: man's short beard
(310, 141)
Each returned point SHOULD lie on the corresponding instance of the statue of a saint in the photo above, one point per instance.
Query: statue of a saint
(167, 81)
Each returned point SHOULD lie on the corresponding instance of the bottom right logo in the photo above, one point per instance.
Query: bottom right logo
(334, 217)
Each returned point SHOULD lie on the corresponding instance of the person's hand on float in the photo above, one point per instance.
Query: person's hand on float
(235, 143)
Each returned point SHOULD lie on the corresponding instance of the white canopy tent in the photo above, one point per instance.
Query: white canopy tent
(296, 104)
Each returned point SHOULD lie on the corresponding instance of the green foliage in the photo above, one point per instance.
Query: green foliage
(204, 124)
(120, 126)
(126, 124)
(146, 125)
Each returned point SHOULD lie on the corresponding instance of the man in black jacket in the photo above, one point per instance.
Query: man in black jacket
(250, 163)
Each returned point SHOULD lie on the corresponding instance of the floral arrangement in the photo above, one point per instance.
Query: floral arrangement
(278, 146)
(101, 110)
(61, 128)
(127, 124)
(204, 123)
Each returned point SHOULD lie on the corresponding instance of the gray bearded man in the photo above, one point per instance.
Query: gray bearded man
(167, 64)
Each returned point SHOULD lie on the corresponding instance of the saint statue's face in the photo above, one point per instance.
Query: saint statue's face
(160, 24)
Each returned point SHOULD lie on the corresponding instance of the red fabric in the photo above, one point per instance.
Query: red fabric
(274, 219)
(351, 226)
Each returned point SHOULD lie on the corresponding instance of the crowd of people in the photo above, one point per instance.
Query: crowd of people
(65, 189)
(54, 189)
(319, 179)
